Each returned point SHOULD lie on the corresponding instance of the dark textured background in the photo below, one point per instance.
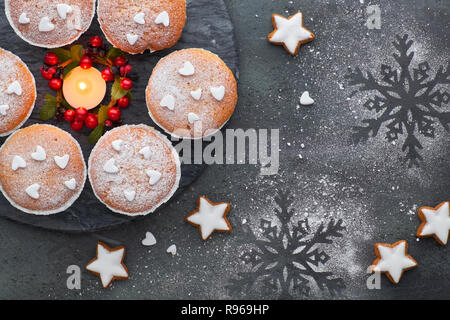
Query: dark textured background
(367, 186)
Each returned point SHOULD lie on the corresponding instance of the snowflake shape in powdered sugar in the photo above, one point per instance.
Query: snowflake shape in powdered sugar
(288, 258)
(407, 100)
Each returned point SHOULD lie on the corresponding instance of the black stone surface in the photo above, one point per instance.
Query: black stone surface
(365, 188)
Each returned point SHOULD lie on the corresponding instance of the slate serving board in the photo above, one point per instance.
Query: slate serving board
(208, 26)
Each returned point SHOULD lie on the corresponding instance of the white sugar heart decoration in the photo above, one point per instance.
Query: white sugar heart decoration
(18, 162)
(39, 155)
(62, 161)
(168, 101)
(46, 25)
(63, 9)
(14, 87)
(305, 99)
(139, 18)
(154, 176)
(132, 38)
(23, 19)
(129, 194)
(197, 94)
(110, 166)
(172, 250)
(71, 184)
(149, 240)
(163, 18)
(218, 92)
(3, 109)
(33, 191)
(117, 145)
(192, 117)
(187, 69)
(145, 152)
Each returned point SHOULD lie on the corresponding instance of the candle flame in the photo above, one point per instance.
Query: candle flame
(82, 85)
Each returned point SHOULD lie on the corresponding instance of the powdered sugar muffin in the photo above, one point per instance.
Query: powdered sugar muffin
(133, 169)
(42, 170)
(17, 92)
(137, 25)
(50, 23)
(191, 93)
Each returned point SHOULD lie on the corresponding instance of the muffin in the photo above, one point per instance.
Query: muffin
(17, 92)
(134, 26)
(50, 23)
(191, 93)
(133, 169)
(42, 170)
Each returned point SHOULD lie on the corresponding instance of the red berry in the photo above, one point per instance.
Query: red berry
(126, 84)
(55, 84)
(51, 58)
(47, 74)
(123, 102)
(108, 123)
(77, 125)
(114, 114)
(69, 115)
(107, 74)
(91, 121)
(85, 62)
(96, 41)
(120, 61)
(81, 114)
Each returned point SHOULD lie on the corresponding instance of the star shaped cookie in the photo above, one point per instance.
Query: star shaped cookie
(393, 260)
(435, 223)
(290, 32)
(210, 217)
(108, 264)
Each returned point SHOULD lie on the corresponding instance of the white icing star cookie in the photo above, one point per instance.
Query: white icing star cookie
(210, 217)
(108, 264)
(290, 32)
(393, 260)
(435, 223)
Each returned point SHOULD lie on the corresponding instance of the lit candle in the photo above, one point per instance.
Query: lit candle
(84, 88)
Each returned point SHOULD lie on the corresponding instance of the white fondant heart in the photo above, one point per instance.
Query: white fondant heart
(132, 38)
(23, 19)
(33, 191)
(63, 9)
(39, 155)
(154, 176)
(117, 145)
(187, 69)
(46, 25)
(168, 101)
(172, 250)
(218, 92)
(129, 194)
(163, 18)
(110, 166)
(197, 94)
(14, 87)
(305, 99)
(71, 184)
(3, 109)
(192, 117)
(139, 18)
(145, 152)
(149, 240)
(62, 161)
(18, 162)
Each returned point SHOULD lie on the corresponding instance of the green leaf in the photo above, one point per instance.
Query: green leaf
(63, 54)
(114, 53)
(48, 111)
(76, 52)
(117, 92)
(129, 95)
(70, 67)
(96, 134)
(66, 105)
(102, 115)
